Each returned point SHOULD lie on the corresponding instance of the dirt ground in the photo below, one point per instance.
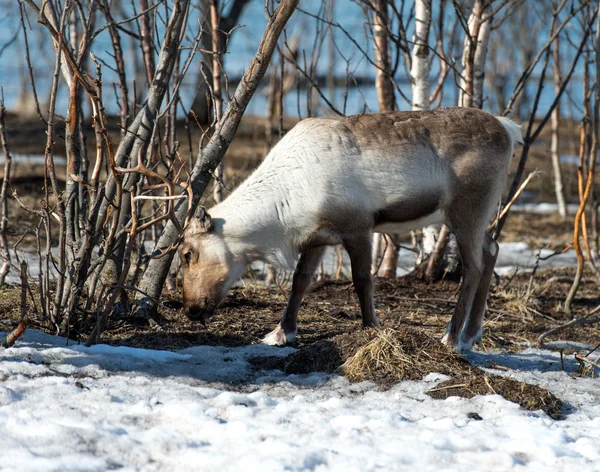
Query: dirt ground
(331, 308)
(519, 309)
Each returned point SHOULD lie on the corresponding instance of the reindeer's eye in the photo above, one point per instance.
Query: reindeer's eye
(187, 257)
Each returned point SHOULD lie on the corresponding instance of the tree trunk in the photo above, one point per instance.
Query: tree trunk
(558, 178)
(420, 56)
(470, 95)
(479, 62)
(210, 156)
(201, 104)
(146, 41)
(387, 102)
(217, 44)
(420, 93)
(383, 80)
(4, 251)
(474, 55)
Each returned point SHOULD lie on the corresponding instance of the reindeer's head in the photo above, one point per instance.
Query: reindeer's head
(209, 267)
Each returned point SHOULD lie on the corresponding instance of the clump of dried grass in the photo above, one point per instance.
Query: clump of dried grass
(388, 356)
(530, 397)
(385, 356)
(400, 354)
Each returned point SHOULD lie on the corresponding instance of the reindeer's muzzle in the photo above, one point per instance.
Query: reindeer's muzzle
(199, 313)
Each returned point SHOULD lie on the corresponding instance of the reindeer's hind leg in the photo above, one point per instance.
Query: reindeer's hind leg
(359, 250)
(472, 331)
(470, 247)
(288, 326)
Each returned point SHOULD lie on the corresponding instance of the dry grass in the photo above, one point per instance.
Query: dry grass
(414, 315)
(393, 355)
(530, 397)
(387, 356)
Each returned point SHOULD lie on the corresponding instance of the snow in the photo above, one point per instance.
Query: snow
(512, 256)
(543, 208)
(67, 407)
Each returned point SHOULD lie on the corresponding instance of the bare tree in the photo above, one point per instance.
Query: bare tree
(4, 251)
(209, 157)
(420, 55)
(474, 55)
(202, 105)
(589, 182)
(387, 102)
(559, 189)
(217, 45)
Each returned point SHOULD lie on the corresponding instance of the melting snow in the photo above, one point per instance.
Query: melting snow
(204, 408)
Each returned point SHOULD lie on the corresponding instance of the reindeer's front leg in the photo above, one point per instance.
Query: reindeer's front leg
(359, 250)
(288, 326)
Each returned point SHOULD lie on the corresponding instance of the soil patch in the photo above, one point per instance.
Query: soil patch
(530, 397)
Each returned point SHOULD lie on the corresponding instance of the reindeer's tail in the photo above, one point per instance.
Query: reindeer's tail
(514, 130)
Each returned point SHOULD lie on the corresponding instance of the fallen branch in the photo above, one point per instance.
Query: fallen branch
(438, 389)
(574, 322)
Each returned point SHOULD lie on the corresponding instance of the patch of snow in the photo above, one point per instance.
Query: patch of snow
(512, 256)
(67, 407)
(37, 159)
(542, 208)
(569, 159)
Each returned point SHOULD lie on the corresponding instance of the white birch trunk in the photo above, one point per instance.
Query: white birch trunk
(472, 59)
(420, 93)
(555, 123)
(483, 39)
(420, 56)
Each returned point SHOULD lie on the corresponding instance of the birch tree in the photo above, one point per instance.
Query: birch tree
(387, 102)
(559, 189)
(420, 72)
(217, 44)
(474, 55)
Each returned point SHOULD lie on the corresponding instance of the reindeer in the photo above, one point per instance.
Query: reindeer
(336, 181)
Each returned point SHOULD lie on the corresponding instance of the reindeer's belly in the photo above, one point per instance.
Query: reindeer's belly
(422, 208)
(399, 227)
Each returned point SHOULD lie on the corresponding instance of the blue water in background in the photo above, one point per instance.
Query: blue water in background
(242, 47)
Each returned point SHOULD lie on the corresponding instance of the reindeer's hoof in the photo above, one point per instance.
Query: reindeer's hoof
(453, 343)
(466, 342)
(277, 337)
(465, 345)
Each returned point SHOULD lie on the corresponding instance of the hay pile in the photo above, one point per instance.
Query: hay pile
(384, 356)
(388, 356)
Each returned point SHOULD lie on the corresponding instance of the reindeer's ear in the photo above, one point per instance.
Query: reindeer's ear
(202, 222)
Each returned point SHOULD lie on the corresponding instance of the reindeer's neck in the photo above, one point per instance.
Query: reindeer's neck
(255, 224)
